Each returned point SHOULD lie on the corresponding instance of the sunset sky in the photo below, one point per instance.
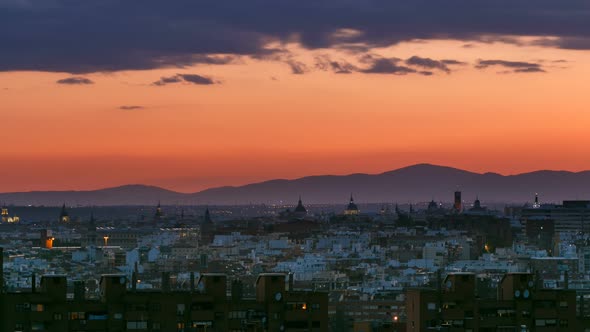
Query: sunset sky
(192, 94)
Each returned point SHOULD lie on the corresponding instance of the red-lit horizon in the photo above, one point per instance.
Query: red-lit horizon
(261, 121)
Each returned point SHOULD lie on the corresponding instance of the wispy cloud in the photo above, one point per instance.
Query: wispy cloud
(297, 67)
(427, 63)
(387, 66)
(187, 78)
(75, 80)
(131, 107)
(326, 63)
(513, 66)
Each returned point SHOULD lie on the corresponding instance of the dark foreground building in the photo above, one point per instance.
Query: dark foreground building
(520, 305)
(276, 307)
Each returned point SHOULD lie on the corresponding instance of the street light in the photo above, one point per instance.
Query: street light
(106, 240)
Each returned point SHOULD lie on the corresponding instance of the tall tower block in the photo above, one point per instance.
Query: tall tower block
(458, 206)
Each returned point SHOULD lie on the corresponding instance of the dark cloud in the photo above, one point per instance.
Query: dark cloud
(109, 35)
(514, 66)
(188, 78)
(453, 62)
(569, 42)
(197, 79)
(387, 66)
(427, 63)
(297, 67)
(529, 70)
(168, 80)
(131, 107)
(75, 80)
(376, 64)
(325, 63)
(505, 63)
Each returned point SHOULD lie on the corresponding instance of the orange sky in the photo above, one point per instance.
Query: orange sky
(252, 127)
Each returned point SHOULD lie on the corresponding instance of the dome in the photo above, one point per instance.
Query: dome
(477, 203)
(351, 208)
(432, 205)
(300, 208)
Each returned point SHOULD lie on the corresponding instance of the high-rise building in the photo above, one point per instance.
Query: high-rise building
(458, 205)
(570, 216)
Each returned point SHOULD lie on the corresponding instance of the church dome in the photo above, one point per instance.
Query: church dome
(351, 208)
(300, 208)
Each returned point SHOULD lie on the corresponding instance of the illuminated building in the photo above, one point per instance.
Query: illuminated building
(63, 215)
(6, 218)
(4, 214)
(351, 209)
(46, 239)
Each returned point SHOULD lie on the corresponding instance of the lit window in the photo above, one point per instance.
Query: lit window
(77, 315)
(37, 307)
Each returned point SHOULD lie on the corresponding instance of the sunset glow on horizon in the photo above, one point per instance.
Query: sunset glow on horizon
(499, 106)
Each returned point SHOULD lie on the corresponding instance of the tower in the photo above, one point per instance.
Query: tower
(91, 236)
(207, 217)
(536, 204)
(458, 206)
(159, 214)
(63, 215)
(207, 228)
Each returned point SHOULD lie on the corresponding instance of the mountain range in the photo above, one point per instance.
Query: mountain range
(417, 183)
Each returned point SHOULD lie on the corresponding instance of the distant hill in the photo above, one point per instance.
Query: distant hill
(124, 195)
(417, 183)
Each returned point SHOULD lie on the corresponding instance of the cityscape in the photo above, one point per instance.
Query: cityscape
(448, 265)
(298, 166)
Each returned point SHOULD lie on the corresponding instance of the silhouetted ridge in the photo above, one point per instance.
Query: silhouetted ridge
(416, 183)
